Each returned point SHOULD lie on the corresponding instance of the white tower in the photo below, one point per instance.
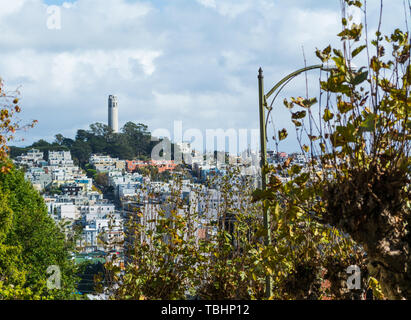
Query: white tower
(113, 113)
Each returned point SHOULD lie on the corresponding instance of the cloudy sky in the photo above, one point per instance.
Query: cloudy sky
(189, 60)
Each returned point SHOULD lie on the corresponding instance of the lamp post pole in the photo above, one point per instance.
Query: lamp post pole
(263, 142)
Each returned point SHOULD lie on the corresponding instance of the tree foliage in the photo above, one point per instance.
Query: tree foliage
(357, 144)
(183, 252)
(30, 242)
(9, 124)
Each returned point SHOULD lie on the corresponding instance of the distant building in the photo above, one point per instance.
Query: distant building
(60, 158)
(162, 165)
(66, 211)
(71, 189)
(105, 163)
(31, 158)
(113, 113)
(38, 178)
(85, 183)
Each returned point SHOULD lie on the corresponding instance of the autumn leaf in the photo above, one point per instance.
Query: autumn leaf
(328, 115)
(282, 134)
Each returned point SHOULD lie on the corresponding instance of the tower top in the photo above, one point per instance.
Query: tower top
(113, 113)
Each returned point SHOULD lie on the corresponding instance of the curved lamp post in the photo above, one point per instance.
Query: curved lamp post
(263, 141)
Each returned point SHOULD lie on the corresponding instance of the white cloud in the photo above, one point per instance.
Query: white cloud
(230, 8)
(68, 71)
(309, 26)
(67, 5)
(166, 60)
(8, 7)
(207, 3)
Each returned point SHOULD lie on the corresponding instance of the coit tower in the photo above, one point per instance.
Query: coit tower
(113, 113)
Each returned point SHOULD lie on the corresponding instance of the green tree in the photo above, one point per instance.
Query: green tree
(41, 144)
(59, 139)
(33, 237)
(101, 179)
(138, 138)
(81, 151)
(101, 130)
(120, 147)
(356, 142)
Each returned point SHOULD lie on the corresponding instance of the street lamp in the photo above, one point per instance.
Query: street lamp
(263, 141)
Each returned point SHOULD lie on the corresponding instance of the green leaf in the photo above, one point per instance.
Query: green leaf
(313, 138)
(340, 63)
(335, 84)
(358, 50)
(295, 169)
(276, 211)
(358, 3)
(360, 78)
(375, 64)
(298, 115)
(338, 53)
(282, 134)
(302, 178)
(288, 105)
(297, 123)
(353, 33)
(274, 182)
(309, 102)
(407, 76)
(344, 107)
(304, 103)
(328, 115)
(264, 194)
(369, 123)
(337, 140)
(324, 55)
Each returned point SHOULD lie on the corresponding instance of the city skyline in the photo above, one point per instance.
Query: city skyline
(205, 151)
